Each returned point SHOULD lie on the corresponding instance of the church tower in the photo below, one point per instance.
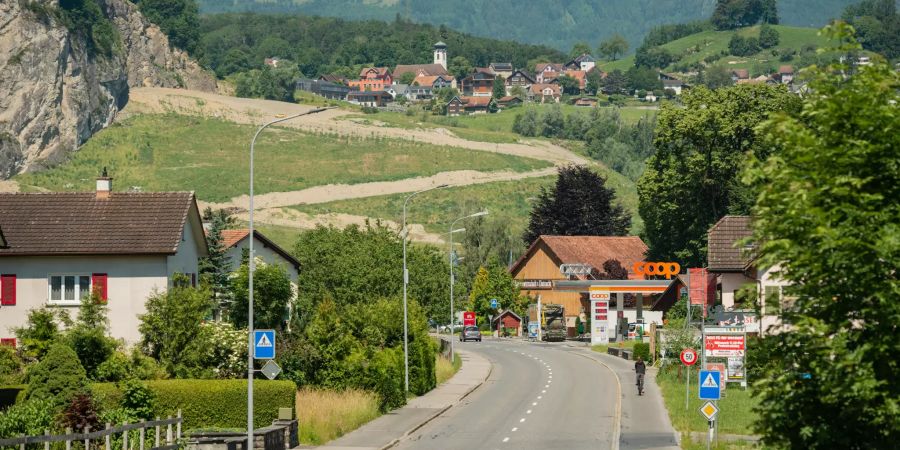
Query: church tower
(440, 54)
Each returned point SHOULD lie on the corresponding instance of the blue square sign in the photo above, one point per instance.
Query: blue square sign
(494, 303)
(710, 385)
(264, 344)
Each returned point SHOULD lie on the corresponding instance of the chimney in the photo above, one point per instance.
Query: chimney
(104, 185)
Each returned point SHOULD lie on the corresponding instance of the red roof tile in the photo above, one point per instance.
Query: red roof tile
(70, 223)
(232, 237)
(593, 250)
(725, 253)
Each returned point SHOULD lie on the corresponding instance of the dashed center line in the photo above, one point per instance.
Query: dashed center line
(515, 429)
(506, 439)
(528, 412)
(521, 420)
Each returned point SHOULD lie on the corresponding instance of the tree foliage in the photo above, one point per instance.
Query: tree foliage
(741, 46)
(691, 180)
(179, 19)
(768, 36)
(272, 296)
(613, 47)
(88, 336)
(569, 85)
(877, 25)
(828, 214)
(215, 268)
(579, 204)
(268, 82)
(58, 377)
(86, 18)
(731, 14)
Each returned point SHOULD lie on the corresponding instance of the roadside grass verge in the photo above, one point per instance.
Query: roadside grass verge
(443, 370)
(736, 414)
(171, 152)
(324, 415)
(602, 348)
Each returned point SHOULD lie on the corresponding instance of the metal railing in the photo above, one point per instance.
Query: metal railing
(173, 437)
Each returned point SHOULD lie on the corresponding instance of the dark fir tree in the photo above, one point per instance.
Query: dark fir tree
(579, 204)
(215, 269)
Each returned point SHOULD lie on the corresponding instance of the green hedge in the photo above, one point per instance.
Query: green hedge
(211, 403)
(10, 395)
(641, 349)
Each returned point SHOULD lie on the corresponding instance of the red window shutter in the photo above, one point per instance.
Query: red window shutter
(8, 341)
(98, 281)
(7, 290)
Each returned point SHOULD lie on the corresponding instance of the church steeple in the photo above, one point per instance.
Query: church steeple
(440, 54)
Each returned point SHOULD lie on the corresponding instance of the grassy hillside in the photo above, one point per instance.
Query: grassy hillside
(557, 23)
(697, 47)
(168, 152)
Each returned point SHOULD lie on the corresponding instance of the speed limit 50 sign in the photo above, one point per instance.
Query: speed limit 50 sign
(688, 356)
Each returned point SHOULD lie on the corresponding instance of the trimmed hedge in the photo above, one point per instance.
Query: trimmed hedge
(10, 395)
(210, 403)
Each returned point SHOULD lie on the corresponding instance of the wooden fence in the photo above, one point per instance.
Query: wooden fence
(172, 441)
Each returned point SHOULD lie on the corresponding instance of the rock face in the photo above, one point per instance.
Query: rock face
(55, 94)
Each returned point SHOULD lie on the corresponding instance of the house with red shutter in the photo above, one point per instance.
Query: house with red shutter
(58, 247)
(373, 79)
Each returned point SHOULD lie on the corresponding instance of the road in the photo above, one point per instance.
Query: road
(538, 396)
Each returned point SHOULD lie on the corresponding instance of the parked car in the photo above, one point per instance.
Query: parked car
(470, 334)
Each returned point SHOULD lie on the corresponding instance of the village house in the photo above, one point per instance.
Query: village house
(435, 81)
(237, 244)
(436, 68)
(373, 79)
(586, 101)
(336, 79)
(584, 63)
(544, 72)
(470, 105)
(504, 70)
(372, 99)
(272, 62)
(544, 93)
(519, 78)
(538, 269)
(59, 247)
(480, 83)
(578, 75)
(739, 74)
(508, 101)
(786, 73)
(327, 89)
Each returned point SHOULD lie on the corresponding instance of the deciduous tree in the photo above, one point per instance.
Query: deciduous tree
(828, 215)
(613, 47)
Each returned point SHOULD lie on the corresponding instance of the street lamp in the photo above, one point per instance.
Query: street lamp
(452, 278)
(250, 354)
(404, 232)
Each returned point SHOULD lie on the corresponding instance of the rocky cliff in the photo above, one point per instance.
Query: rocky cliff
(55, 92)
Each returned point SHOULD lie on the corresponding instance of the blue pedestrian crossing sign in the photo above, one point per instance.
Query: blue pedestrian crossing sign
(710, 385)
(264, 344)
(494, 303)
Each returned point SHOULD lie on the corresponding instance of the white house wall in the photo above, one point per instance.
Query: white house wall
(264, 254)
(131, 279)
(731, 282)
(186, 259)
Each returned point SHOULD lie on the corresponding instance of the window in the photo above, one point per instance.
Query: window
(69, 289)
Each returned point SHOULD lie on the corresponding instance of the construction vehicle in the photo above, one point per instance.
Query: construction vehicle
(552, 321)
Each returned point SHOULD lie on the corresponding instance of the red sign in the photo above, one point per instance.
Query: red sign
(688, 356)
(724, 345)
(469, 319)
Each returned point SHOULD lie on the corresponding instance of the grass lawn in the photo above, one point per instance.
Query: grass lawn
(443, 370)
(735, 415)
(495, 128)
(170, 152)
(326, 415)
(714, 42)
(602, 348)
(284, 236)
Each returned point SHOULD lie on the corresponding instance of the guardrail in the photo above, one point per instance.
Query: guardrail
(171, 442)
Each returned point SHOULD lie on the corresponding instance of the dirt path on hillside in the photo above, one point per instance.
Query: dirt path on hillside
(255, 111)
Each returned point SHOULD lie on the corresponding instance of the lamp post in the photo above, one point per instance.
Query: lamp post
(404, 232)
(252, 265)
(452, 277)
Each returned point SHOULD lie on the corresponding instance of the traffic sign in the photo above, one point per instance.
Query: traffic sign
(494, 303)
(688, 356)
(709, 410)
(710, 385)
(469, 319)
(264, 344)
(271, 369)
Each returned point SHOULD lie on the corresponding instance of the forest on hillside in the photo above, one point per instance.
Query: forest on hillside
(556, 23)
(233, 43)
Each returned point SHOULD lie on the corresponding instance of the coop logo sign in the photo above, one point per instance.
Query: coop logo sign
(666, 269)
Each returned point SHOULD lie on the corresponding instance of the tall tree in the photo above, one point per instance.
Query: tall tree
(828, 214)
(579, 204)
(877, 25)
(459, 67)
(569, 85)
(499, 89)
(613, 47)
(272, 296)
(214, 268)
(179, 19)
(580, 48)
(692, 179)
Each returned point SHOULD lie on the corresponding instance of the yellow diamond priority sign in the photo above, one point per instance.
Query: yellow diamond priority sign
(709, 410)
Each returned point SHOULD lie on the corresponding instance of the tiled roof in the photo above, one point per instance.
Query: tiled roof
(593, 250)
(786, 69)
(472, 102)
(741, 73)
(69, 223)
(508, 98)
(417, 69)
(502, 66)
(230, 238)
(380, 71)
(523, 73)
(541, 66)
(538, 88)
(725, 253)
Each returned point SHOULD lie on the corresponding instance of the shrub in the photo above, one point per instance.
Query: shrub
(81, 413)
(30, 418)
(39, 333)
(138, 399)
(9, 395)
(207, 403)
(10, 365)
(642, 350)
(171, 327)
(58, 377)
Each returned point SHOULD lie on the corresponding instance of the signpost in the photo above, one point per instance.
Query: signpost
(689, 358)
(264, 344)
(709, 410)
(494, 303)
(710, 385)
(469, 319)
(271, 369)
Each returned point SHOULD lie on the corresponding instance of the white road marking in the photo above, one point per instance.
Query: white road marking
(533, 403)
(515, 429)
(528, 412)
(521, 420)
(541, 396)
(546, 386)
(506, 439)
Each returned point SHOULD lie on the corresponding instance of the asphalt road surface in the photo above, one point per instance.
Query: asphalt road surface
(538, 396)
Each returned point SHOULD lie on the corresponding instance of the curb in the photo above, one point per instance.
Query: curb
(412, 430)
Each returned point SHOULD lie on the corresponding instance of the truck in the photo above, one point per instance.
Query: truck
(552, 321)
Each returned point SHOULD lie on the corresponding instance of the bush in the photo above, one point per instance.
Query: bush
(58, 377)
(29, 418)
(81, 413)
(9, 395)
(10, 366)
(138, 399)
(642, 350)
(207, 403)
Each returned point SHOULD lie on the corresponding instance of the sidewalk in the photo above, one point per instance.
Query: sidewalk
(388, 429)
(645, 421)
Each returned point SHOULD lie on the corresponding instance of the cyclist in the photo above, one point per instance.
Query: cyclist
(640, 368)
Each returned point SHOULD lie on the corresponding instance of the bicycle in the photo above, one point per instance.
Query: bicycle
(640, 383)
